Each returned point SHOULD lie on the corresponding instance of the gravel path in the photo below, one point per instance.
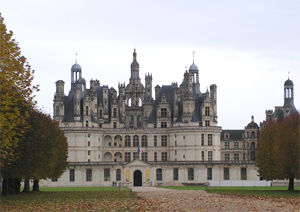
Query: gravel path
(176, 200)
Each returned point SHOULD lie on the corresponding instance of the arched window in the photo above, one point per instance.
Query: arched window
(136, 140)
(139, 102)
(252, 155)
(131, 121)
(144, 141)
(129, 102)
(158, 174)
(243, 174)
(127, 141)
(253, 145)
(252, 134)
(139, 121)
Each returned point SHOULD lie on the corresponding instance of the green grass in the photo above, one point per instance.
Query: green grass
(82, 189)
(275, 191)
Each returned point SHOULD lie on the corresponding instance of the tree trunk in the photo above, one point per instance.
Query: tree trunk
(5, 186)
(291, 184)
(26, 186)
(36, 186)
(11, 186)
(17, 186)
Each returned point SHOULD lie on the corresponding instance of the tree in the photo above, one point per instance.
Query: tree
(15, 88)
(278, 150)
(42, 153)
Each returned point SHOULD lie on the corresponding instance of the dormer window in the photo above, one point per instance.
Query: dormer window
(207, 111)
(163, 112)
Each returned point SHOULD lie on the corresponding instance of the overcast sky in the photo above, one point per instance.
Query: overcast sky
(244, 47)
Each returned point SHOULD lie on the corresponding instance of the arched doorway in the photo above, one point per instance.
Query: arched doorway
(137, 178)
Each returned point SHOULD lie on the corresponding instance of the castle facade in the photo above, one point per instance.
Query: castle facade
(132, 137)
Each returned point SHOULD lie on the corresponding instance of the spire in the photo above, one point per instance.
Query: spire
(134, 55)
(252, 118)
(76, 59)
(193, 56)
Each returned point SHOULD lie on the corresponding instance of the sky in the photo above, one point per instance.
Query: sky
(247, 48)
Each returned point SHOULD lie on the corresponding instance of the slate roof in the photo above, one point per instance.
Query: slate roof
(235, 135)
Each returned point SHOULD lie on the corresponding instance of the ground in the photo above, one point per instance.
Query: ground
(199, 200)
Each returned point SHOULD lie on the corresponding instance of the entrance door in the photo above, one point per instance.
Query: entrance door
(137, 178)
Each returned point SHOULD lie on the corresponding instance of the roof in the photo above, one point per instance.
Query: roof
(235, 135)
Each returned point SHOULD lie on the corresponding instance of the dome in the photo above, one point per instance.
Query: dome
(193, 67)
(252, 125)
(288, 83)
(76, 67)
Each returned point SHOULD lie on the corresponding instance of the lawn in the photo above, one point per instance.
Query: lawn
(76, 199)
(257, 191)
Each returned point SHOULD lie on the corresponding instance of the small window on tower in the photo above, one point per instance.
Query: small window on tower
(207, 111)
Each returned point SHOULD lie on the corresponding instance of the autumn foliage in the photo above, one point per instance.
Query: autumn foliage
(278, 150)
(15, 89)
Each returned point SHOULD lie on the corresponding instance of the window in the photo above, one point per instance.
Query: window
(244, 156)
(227, 156)
(243, 174)
(72, 175)
(127, 156)
(209, 139)
(144, 141)
(139, 121)
(244, 145)
(115, 112)
(210, 155)
(89, 152)
(89, 143)
(57, 110)
(226, 174)
(202, 155)
(164, 156)
(209, 174)
(155, 156)
(175, 152)
(135, 140)
(88, 175)
(145, 157)
(86, 110)
(155, 125)
(236, 145)
(207, 111)
(135, 155)
(115, 125)
(207, 123)
(236, 157)
(127, 141)
(54, 179)
(118, 175)
(202, 139)
(226, 145)
(164, 140)
(155, 140)
(190, 174)
(163, 124)
(175, 143)
(100, 113)
(89, 135)
(106, 174)
(131, 121)
(86, 123)
(158, 174)
(163, 112)
(175, 174)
